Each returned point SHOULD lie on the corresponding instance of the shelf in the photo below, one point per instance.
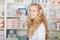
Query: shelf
(18, 3)
(17, 28)
(12, 39)
(27, 3)
(13, 16)
(55, 29)
(42, 3)
(54, 18)
(1, 28)
(1, 16)
(49, 3)
(15, 2)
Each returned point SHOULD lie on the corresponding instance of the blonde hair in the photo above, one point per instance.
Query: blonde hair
(32, 26)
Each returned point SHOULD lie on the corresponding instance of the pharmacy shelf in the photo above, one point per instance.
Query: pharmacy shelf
(55, 30)
(49, 3)
(1, 16)
(13, 16)
(42, 3)
(17, 3)
(29, 3)
(1, 28)
(53, 4)
(17, 28)
(54, 18)
(12, 39)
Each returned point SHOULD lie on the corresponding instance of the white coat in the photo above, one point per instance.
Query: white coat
(40, 33)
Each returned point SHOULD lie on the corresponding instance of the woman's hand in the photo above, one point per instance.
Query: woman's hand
(19, 12)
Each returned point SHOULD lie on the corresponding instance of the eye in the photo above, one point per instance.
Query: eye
(33, 10)
(29, 10)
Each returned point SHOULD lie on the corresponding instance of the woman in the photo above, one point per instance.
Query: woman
(36, 22)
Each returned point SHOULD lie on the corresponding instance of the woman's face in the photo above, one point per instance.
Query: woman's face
(33, 12)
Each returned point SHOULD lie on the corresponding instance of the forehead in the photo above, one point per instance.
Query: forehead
(33, 7)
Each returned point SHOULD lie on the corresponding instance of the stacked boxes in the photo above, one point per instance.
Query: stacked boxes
(12, 23)
(2, 35)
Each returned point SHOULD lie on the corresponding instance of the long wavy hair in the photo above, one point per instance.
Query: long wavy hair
(34, 24)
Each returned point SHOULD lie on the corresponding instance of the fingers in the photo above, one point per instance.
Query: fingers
(18, 12)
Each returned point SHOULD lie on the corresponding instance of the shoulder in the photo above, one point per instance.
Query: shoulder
(41, 28)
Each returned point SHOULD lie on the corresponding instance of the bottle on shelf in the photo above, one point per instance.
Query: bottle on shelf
(58, 24)
(43, 1)
(35, 1)
(18, 0)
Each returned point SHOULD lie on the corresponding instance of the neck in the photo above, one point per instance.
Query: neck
(32, 20)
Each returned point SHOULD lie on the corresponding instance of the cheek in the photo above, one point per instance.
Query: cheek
(29, 12)
(35, 15)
